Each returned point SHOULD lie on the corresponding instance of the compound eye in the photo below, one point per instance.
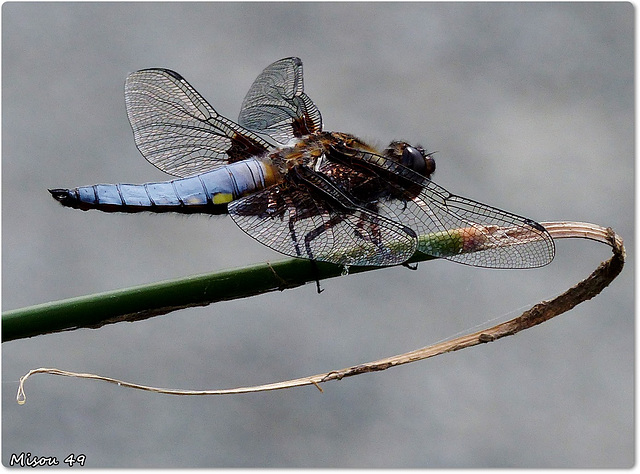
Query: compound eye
(414, 159)
(430, 164)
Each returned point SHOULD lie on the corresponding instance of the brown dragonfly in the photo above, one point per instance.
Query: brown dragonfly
(325, 196)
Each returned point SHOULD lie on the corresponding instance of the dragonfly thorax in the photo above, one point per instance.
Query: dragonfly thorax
(306, 151)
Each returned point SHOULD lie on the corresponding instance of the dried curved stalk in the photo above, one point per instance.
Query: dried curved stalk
(541, 312)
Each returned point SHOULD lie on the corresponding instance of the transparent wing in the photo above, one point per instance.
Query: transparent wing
(293, 222)
(460, 229)
(177, 131)
(277, 106)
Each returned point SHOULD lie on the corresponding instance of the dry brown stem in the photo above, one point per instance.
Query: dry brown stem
(541, 312)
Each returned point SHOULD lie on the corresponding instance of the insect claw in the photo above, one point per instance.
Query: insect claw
(410, 266)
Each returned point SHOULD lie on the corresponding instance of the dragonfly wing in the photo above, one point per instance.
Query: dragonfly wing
(293, 222)
(177, 131)
(469, 232)
(277, 106)
(482, 235)
(460, 229)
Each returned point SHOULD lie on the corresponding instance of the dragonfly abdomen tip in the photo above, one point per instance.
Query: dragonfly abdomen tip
(65, 197)
(59, 194)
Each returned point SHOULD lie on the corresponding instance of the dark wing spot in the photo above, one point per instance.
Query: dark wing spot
(303, 126)
(243, 147)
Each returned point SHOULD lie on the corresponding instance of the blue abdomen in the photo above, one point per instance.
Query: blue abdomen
(205, 193)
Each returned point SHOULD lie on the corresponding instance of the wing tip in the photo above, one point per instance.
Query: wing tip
(155, 70)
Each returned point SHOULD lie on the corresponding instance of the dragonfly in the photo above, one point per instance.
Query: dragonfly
(302, 191)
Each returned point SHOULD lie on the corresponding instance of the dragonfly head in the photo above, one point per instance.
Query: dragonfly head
(413, 157)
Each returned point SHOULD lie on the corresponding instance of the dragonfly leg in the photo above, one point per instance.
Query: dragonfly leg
(315, 233)
(292, 233)
(316, 272)
(369, 229)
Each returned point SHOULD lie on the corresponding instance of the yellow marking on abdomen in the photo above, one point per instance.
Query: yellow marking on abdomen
(222, 198)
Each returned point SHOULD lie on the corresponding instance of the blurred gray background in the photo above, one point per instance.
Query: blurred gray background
(531, 109)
